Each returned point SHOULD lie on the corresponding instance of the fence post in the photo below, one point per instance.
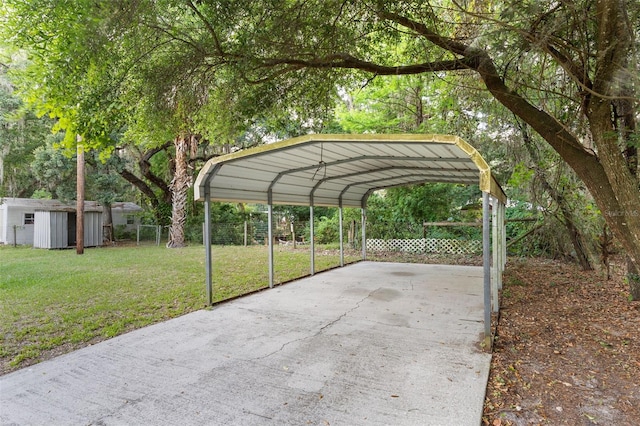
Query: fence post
(293, 233)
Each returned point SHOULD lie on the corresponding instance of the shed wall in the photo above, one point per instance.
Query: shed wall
(121, 217)
(92, 229)
(51, 230)
(3, 231)
(41, 234)
(13, 216)
(55, 223)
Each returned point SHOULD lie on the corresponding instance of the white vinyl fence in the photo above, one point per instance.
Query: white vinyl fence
(426, 245)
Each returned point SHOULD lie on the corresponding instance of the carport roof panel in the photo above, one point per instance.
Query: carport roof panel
(341, 169)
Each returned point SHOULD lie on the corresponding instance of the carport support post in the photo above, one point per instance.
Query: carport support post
(207, 242)
(312, 242)
(503, 242)
(341, 236)
(364, 233)
(486, 265)
(270, 236)
(495, 247)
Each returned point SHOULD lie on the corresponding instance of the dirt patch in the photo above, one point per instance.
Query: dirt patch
(567, 348)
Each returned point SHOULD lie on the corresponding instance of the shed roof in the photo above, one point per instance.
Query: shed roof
(41, 204)
(342, 169)
(57, 205)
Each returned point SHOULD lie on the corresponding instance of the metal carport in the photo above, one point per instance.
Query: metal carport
(342, 170)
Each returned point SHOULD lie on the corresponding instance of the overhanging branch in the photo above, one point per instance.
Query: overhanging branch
(347, 61)
(445, 43)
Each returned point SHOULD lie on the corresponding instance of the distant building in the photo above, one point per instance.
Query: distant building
(52, 223)
(125, 216)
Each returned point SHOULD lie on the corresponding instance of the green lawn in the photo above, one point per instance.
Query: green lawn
(54, 301)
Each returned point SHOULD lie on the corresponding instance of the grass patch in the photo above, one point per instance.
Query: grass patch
(54, 301)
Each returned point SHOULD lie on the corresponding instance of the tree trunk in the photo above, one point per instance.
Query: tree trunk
(605, 172)
(606, 175)
(144, 165)
(107, 224)
(578, 243)
(179, 190)
(419, 112)
(625, 114)
(614, 43)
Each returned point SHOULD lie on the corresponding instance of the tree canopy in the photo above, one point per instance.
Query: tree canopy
(567, 70)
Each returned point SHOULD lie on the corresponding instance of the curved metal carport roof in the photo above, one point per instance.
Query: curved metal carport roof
(342, 170)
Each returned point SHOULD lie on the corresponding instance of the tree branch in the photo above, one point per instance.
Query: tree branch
(141, 185)
(445, 43)
(209, 27)
(145, 170)
(346, 61)
(478, 59)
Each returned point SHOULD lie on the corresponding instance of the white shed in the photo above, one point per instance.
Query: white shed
(16, 222)
(57, 229)
(126, 215)
(52, 223)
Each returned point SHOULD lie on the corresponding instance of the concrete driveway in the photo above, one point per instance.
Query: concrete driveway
(368, 344)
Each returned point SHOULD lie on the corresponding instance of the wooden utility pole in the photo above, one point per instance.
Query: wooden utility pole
(80, 198)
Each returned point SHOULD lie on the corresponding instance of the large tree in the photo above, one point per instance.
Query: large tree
(567, 69)
(21, 132)
(112, 85)
(137, 69)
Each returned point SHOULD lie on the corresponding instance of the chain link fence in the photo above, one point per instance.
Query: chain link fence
(381, 236)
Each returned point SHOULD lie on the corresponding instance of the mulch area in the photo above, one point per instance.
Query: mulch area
(567, 348)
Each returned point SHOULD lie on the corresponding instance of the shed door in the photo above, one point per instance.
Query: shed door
(71, 228)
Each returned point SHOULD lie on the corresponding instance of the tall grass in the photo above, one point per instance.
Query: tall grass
(52, 302)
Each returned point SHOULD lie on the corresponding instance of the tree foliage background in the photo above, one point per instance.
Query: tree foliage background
(554, 82)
